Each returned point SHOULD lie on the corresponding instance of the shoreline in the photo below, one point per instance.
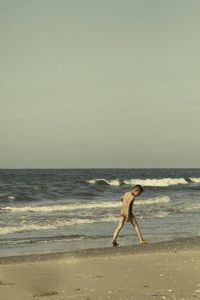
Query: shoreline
(180, 244)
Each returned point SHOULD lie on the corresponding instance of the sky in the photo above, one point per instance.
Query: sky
(99, 84)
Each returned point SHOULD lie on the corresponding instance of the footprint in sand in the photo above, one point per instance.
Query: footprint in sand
(6, 283)
(46, 293)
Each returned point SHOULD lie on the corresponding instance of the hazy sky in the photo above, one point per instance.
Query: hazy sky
(99, 83)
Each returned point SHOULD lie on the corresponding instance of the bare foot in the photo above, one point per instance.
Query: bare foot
(143, 242)
(115, 243)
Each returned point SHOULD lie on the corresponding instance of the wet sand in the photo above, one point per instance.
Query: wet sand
(167, 270)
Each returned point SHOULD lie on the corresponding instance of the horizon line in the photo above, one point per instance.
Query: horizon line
(90, 168)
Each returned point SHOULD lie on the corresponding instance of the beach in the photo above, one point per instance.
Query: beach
(165, 270)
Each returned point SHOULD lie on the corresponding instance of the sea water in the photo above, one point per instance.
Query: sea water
(55, 210)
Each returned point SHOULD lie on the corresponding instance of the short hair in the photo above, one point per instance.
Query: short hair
(139, 187)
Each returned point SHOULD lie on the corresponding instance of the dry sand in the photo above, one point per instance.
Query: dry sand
(168, 270)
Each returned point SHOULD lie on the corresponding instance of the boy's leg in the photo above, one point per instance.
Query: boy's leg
(117, 230)
(135, 224)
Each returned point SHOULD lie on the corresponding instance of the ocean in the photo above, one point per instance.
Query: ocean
(56, 210)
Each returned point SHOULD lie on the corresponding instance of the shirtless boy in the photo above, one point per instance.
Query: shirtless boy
(127, 215)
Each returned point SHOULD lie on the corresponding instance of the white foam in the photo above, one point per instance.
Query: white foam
(156, 200)
(81, 206)
(21, 227)
(192, 206)
(160, 214)
(195, 179)
(113, 182)
(156, 182)
(67, 207)
(4, 197)
(54, 225)
(144, 182)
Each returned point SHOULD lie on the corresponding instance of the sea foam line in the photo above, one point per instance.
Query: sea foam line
(79, 206)
(157, 182)
(145, 182)
(75, 221)
(61, 223)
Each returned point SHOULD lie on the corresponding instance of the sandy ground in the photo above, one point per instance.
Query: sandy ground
(160, 271)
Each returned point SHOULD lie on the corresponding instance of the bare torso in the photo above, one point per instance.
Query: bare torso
(127, 203)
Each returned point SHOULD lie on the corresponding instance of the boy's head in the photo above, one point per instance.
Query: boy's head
(137, 190)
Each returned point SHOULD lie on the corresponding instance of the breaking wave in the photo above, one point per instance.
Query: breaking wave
(54, 225)
(195, 179)
(80, 206)
(156, 200)
(22, 227)
(114, 182)
(5, 197)
(144, 182)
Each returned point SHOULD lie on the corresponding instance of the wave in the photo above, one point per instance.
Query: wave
(22, 227)
(156, 200)
(66, 207)
(4, 197)
(192, 207)
(35, 239)
(195, 179)
(145, 182)
(54, 225)
(159, 214)
(80, 206)
(157, 182)
(102, 181)
(11, 197)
